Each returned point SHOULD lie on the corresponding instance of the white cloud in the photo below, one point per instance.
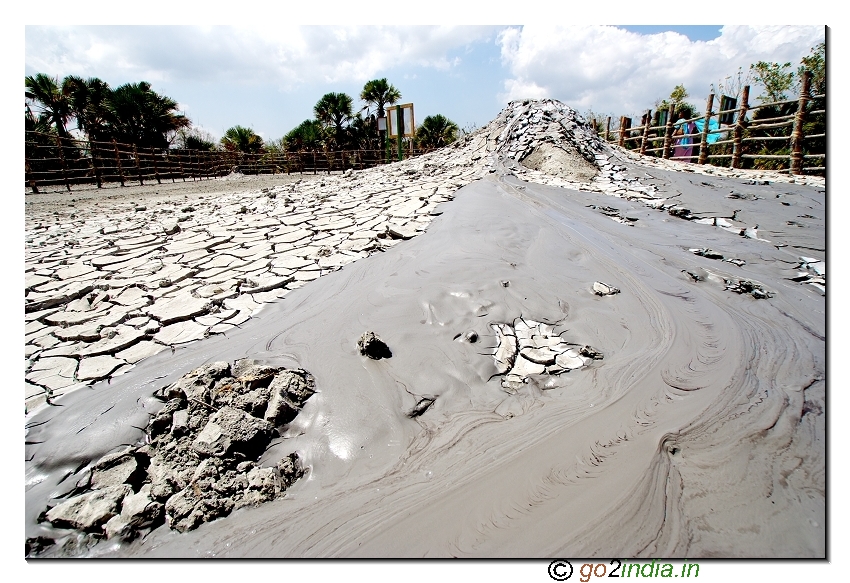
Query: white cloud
(612, 70)
(286, 56)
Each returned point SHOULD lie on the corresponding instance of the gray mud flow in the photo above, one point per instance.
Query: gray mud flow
(700, 431)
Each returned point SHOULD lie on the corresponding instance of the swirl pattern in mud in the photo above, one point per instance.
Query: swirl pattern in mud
(700, 434)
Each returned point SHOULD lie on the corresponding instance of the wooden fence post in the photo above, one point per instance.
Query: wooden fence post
(739, 128)
(607, 128)
(703, 144)
(155, 169)
(799, 119)
(647, 121)
(62, 160)
(180, 165)
(138, 166)
(668, 133)
(30, 177)
(94, 166)
(622, 139)
(118, 162)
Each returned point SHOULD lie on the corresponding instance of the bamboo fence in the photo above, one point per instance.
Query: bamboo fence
(55, 162)
(738, 138)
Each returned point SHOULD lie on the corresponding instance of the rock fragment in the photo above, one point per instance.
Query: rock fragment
(604, 289)
(421, 406)
(138, 511)
(289, 391)
(746, 286)
(373, 347)
(233, 430)
(90, 510)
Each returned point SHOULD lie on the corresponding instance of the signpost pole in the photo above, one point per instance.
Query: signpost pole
(400, 121)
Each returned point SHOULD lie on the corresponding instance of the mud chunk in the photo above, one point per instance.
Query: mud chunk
(590, 352)
(265, 482)
(569, 360)
(196, 384)
(180, 423)
(253, 375)
(506, 350)
(289, 390)
(290, 469)
(231, 430)
(36, 545)
(539, 355)
(89, 511)
(423, 405)
(745, 286)
(604, 289)
(373, 347)
(113, 473)
(180, 511)
(708, 253)
(138, 511)
(682, 213)
(160, 422)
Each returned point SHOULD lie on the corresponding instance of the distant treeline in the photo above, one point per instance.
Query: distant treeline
(136, 115)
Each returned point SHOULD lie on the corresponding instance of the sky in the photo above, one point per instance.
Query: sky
(268, 76)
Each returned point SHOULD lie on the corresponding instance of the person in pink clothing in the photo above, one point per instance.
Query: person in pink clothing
(683, 145)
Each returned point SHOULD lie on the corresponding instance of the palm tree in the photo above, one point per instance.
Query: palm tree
(308, 135)
(436, 131)
(40, 135)
(334, 109)
(142, 117)
(379, 92)
(90, 105)
(52, 98)
(240, 139)
(194, 139)
(364, 132)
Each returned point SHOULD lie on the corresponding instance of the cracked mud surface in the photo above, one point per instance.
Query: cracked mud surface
(703, 423)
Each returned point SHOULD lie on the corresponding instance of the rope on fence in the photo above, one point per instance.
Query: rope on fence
(52, 160)
(741, 131)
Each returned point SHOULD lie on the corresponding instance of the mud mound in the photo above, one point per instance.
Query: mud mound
(563, 162)
(549, 136)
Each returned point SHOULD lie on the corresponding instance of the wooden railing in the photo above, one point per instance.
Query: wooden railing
(54, 161)
(739, 140)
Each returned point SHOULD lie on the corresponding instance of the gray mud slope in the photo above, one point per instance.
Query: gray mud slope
(700, 431)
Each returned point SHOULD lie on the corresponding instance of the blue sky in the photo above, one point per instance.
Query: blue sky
(693, 32)
(268, 75)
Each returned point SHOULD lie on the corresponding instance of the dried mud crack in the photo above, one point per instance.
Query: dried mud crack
(704, 396)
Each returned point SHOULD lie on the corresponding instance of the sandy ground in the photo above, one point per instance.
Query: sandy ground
(700, 433)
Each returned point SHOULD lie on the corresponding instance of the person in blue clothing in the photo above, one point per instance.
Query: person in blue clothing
(683, 145)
